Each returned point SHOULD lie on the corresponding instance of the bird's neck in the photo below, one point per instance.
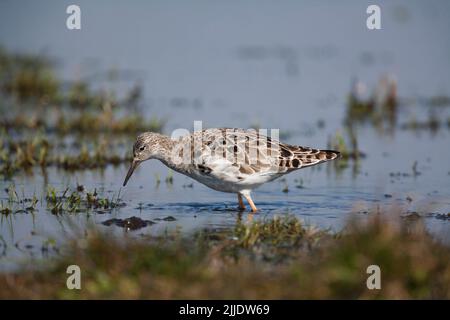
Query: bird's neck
(165, 147)
(166, 154)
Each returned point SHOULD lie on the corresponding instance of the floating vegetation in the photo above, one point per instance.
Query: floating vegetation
(265, 259)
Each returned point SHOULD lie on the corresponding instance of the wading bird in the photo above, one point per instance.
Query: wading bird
(227, 160)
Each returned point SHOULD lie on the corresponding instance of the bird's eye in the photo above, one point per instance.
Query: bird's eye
(142, 148)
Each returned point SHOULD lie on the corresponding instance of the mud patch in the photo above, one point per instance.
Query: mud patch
(132, 223)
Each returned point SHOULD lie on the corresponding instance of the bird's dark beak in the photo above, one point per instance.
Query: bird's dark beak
(133, 166)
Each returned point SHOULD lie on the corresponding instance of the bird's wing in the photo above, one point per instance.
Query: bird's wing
(247, 152)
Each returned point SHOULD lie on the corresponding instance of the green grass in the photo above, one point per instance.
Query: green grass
(79, 201)
(262, 259)
(75, 200)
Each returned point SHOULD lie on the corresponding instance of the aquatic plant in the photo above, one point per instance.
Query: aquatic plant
(339, 142)
(35, 100)
(79, 200)
(86, 122)
(106, 122)
(380, 109)
(16, 203)
(29, 77)
(24, 154)
(157, 180)
(44, 103)
(433, 123)
(26, 76)
(169, 177)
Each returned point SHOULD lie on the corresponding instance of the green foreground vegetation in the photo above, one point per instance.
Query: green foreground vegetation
(277, 258)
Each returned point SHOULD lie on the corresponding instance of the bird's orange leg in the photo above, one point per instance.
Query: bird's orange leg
(250, 202)
(241, 203)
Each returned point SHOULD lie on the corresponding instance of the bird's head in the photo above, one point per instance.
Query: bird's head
(148, 145)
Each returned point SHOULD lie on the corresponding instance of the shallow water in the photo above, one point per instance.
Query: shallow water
(239, 64)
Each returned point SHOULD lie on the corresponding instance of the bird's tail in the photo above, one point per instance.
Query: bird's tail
(319, 156)
(329, 154)
(300, 157)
